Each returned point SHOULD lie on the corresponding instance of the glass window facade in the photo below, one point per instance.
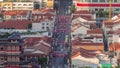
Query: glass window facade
(87, 0)
(102, 0)
(115, 0)
(94, 0)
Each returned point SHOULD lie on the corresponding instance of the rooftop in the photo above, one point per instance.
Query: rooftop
(15, 12)
(114, 47)
(96, 31)
(15, 24)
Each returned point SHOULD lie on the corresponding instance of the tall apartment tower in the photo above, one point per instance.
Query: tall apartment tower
(10, 51)
(97, 5)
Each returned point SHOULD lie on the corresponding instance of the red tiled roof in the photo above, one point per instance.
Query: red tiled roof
(93, 25)
(86, 44)
(15, 12)
(87, 17)
(114, 47)
(79, 42)
(33, 40)
(108, 22)
(44, 10)
(82, 12)
(96, 31)
(98, 36)
(43, 17)
(42, 47)
(85, 53)
(15, 24)
(75, 16)
(47, 10)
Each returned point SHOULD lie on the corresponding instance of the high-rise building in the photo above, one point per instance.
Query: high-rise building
(96, 5)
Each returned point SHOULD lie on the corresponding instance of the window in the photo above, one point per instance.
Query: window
(94, 0)
(47, 23)
(115, 1)
(42, 27)
(42, 23)
(96, 9)
(101, 9)
(30, 4)
(87, 0)
(81, 0)
(47, 28)
(109, 0)
(116, 9)
(24, 4)
(119, 35)
(1, 58)
(1, 48)
(100, 40)
(102, 0)
(19, 4)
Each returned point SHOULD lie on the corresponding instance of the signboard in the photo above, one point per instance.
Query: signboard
(106, 66)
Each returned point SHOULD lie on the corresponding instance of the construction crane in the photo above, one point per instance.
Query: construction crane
(110, 9)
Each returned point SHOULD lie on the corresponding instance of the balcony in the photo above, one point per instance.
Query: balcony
(2, 66)
(2, 52)
(13, 52)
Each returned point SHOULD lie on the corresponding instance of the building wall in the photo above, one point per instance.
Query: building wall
(116, 38)
(23, 6)
(16, 5)
(80, 30)
(97, 40)
(49, 3)
(6, 5)
(42, 26)
(116, 26)
(97, 5)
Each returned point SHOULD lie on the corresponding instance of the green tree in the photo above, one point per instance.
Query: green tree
(5, 35)
(72, 9)
(29, 26)
(102, 13)
(43, 61)
(117, 66)
(1, 15)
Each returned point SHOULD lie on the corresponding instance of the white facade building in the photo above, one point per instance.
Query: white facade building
(23, 5)
(43, 26)
(80, 61)
(80, 30)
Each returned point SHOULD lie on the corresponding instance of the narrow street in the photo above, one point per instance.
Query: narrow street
(61, 30)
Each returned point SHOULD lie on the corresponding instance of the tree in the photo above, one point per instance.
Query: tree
(1, 15)
(101, 13)
(72, 9)
(5, 35)
(29, 26)
(42, 61)
(117, 66)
